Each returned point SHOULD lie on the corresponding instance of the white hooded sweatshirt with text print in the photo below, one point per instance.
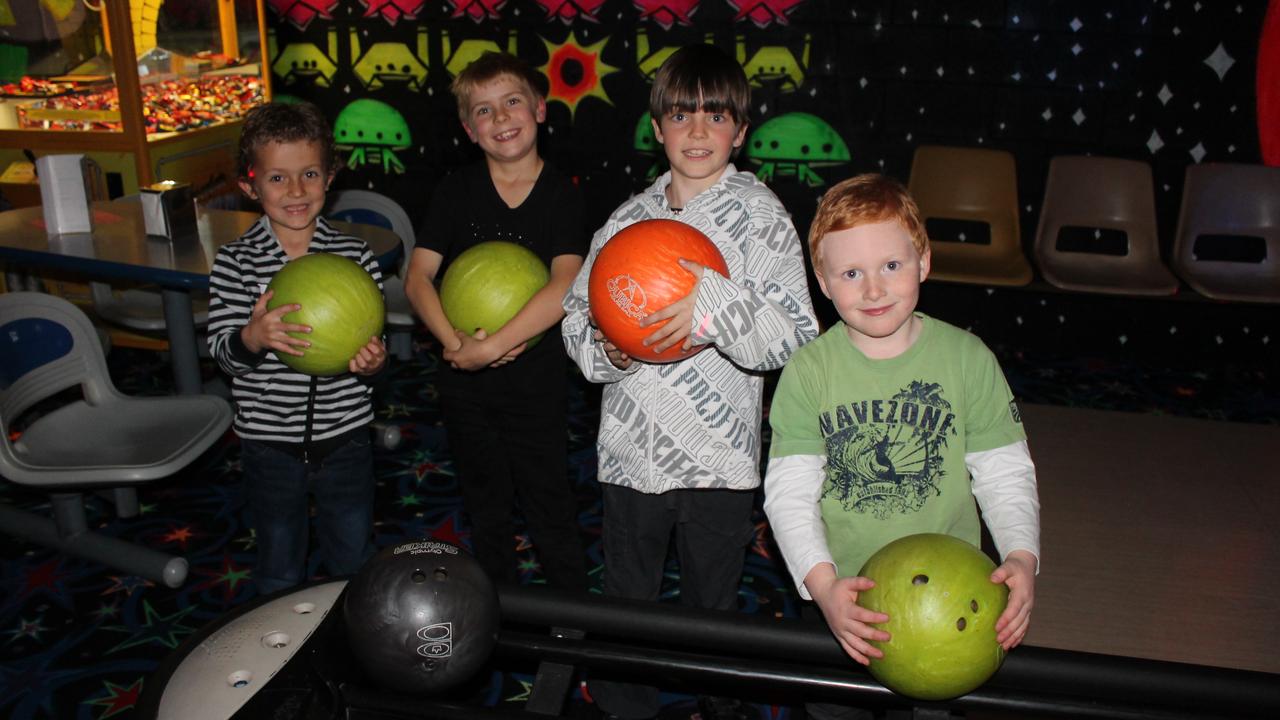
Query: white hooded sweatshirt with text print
(695, 423)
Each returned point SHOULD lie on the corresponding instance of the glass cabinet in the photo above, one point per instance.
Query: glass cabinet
(149, 89)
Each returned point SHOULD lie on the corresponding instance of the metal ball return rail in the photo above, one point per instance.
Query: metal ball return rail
(779, 661)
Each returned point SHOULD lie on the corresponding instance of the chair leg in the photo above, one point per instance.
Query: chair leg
(401, 344)
(109, 551)
(68, 514)
(125, 500)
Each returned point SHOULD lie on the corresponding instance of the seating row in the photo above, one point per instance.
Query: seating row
(1097, 230)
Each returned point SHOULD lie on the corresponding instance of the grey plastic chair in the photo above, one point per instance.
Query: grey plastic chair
(1222, 205)
(139, 309)
(371, 208)
(105, 441)
(977, 185)
(1103, 194)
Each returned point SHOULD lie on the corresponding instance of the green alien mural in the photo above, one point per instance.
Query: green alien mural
(793, 145)
(373, 131)
(646, 144)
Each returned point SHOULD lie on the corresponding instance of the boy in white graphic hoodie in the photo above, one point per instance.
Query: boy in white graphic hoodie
(679, 443)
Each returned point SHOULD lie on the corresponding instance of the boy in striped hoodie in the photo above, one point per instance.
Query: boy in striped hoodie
(298, 434)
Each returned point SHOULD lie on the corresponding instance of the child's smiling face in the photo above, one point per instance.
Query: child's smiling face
(872, 274)
(289, 179)
(502, 118)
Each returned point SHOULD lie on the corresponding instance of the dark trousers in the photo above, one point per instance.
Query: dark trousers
(508, 452)
(277, 484)
(712, 529)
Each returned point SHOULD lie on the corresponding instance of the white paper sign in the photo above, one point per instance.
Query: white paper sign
(64, 194)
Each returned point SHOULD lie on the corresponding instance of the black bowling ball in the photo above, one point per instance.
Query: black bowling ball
(421, 617)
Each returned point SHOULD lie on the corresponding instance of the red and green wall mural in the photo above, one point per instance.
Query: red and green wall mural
(839, 86)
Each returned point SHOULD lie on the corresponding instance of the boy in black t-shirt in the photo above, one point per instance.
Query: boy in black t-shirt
(505, 404)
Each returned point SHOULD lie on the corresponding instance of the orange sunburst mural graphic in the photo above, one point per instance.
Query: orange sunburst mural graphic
(575, 72)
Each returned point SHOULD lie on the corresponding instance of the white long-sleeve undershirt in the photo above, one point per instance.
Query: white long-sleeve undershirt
(1004, 484)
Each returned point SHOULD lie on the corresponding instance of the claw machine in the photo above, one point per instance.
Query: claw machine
(149, 90)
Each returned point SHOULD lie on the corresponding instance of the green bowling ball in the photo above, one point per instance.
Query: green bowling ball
(942, 609)
(487, 284)
(340, 301)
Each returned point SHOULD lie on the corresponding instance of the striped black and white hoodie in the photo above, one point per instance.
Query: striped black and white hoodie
(271, 400)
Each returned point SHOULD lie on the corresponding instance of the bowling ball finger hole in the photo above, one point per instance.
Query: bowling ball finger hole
(304, 608)
(275, 640)
(439, 575)
(960, 624)
(973, 605)
(240, 679)
(920, 580)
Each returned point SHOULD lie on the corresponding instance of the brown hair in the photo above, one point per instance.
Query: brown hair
(487, 68)
(701, 77)
(862, 200)
(284, 123)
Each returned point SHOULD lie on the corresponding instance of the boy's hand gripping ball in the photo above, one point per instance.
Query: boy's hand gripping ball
(340, 301)
(942, 608)
(637, 274)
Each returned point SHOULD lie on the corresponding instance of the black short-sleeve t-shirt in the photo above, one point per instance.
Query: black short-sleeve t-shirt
(466, 210)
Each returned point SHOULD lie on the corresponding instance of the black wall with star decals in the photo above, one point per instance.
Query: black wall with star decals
(1170, 83)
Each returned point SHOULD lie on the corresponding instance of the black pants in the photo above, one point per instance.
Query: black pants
(508, 451)
(712, 529)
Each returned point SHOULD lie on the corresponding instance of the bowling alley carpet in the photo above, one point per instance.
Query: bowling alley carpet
(78, 640)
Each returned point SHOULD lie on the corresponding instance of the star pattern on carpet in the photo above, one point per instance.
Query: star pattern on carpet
(760, 544)
(118, 699)
(178, 536)
(394, 410)
(409, 500)
(229, 575)
(28, 629)
(46, 579)
(528, 566)
(105, 611)
(126, 584)
(526, 687)
(28, 689)
(447, 531)
(428, 468)
(165, 630)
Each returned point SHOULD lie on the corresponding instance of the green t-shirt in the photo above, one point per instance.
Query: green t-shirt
(895, 433)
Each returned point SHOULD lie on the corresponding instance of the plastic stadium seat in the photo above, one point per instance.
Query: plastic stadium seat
(1228, 242)
(371, 208)
(971, 185)
(1097, 195)
(139, 309)
(98, 439)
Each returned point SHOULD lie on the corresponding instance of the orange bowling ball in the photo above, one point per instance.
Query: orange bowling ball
(637, 274)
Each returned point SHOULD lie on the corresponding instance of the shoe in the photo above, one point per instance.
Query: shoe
(711, 707)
